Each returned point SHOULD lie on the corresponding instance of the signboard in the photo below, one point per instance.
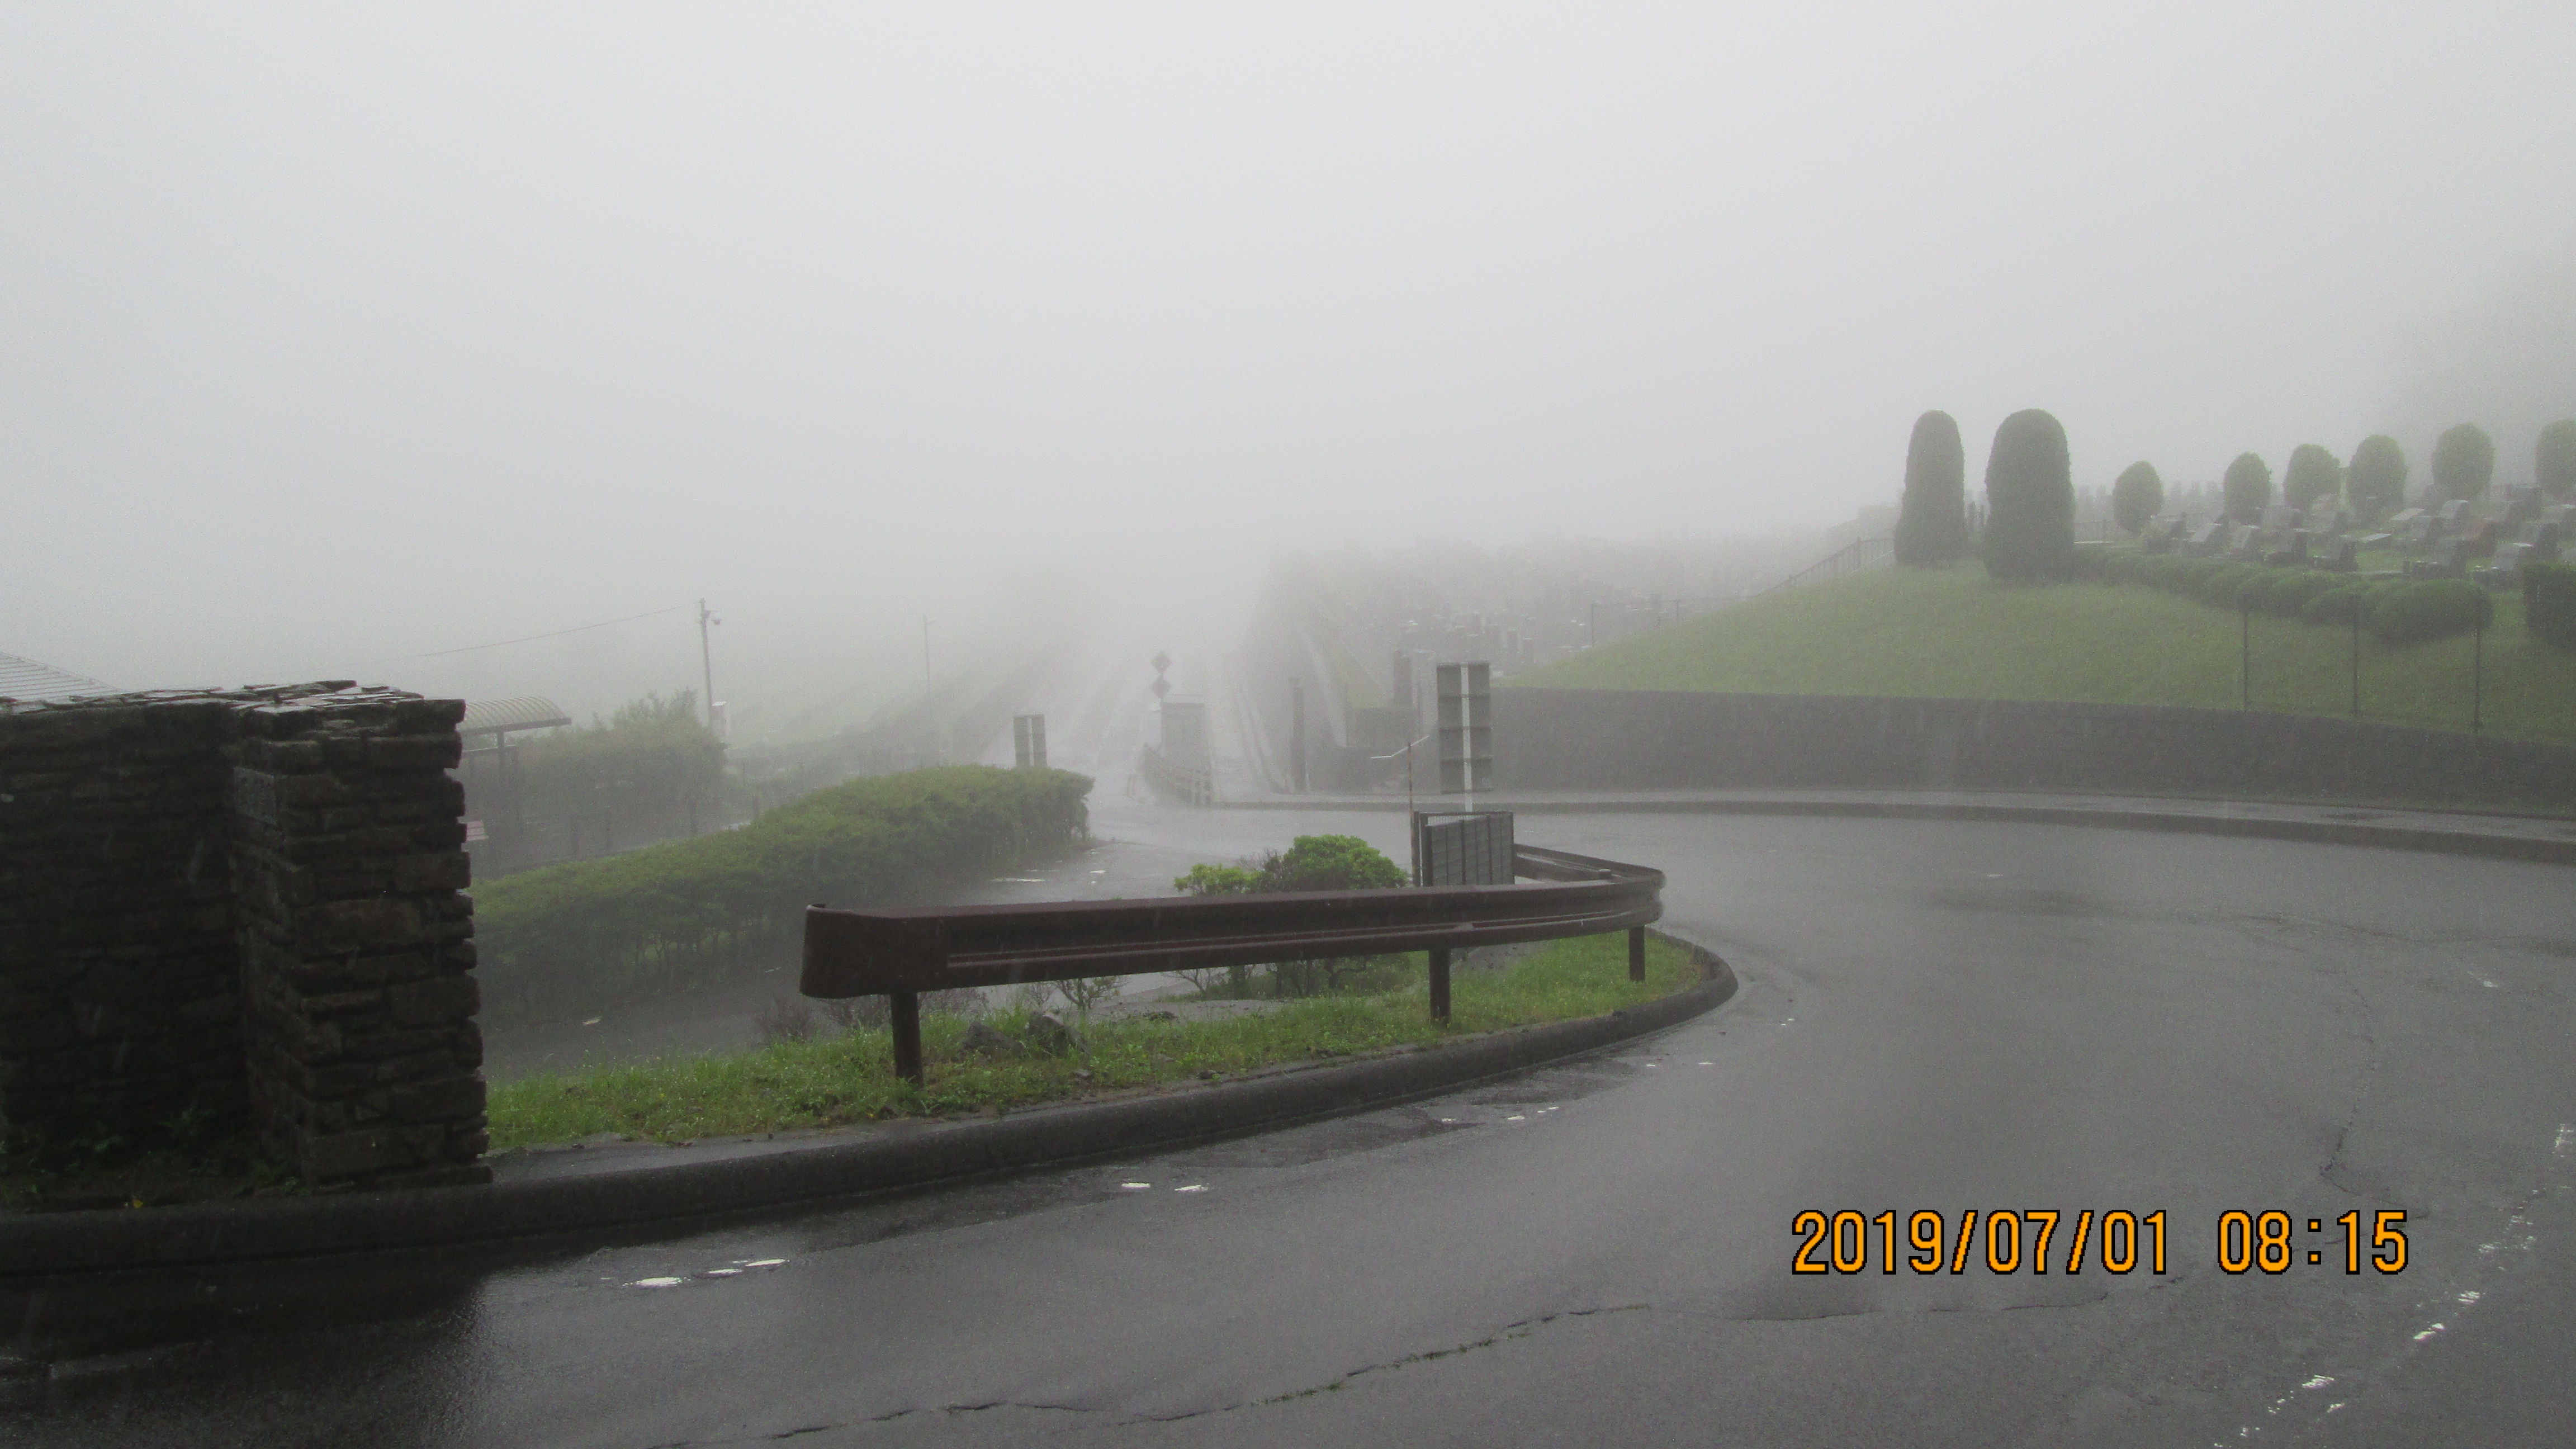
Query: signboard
(1028, 741)
(1466, 727)
(1473, 848)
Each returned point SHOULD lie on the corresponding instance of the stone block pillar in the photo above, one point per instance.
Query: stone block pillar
(242, 910)
(356, 945)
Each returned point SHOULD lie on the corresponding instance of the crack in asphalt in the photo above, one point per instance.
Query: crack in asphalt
(1522, 1329)
(1509, 1331)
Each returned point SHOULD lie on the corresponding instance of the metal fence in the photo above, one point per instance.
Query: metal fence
(900, 954)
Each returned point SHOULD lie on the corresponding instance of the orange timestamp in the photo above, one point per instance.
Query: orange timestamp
(2119, 1241)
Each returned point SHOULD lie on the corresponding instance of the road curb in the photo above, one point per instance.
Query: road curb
(2482, 844)
(206, 1234)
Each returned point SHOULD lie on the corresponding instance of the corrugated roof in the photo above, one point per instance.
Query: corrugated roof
(496, 716)
(27, 679)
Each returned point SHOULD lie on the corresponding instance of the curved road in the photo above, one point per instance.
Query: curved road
(1934, 1015)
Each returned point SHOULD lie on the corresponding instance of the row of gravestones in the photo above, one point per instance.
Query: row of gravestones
(2458, 537)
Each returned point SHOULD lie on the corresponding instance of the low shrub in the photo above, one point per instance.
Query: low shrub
(2287, 593)
(2338, 606)
(2549, 603)
(690, 911)
(2226, 584)
(2430, 609)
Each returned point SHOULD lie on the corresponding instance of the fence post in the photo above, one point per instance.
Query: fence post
(2245, 654)
(2478, 674)
(1439, 983)
(1636, 953)
(903, 1016)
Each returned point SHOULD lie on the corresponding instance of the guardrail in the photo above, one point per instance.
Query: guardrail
(899, 954)
(1191, 785)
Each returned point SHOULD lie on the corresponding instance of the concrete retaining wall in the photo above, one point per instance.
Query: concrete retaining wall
(1579, 739)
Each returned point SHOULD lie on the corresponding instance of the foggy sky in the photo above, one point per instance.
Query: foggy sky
(335, 336)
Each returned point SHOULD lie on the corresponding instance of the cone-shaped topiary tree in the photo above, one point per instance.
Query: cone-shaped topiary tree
(2313, 476)
(2246, 488)
(2030, 500)
(2137, 496)
(2554, 463)
(2463, 461)
(1932, 520)
(2377, 477)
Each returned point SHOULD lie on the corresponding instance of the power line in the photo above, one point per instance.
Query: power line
(532, 638)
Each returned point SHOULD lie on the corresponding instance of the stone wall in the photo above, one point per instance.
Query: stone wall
(120, 992)
(1563, 739)
(246, 907)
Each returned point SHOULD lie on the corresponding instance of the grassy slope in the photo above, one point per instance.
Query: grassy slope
(850, 1078)
(1954, 633)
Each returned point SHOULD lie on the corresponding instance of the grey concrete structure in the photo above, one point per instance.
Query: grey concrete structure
(1590, 739)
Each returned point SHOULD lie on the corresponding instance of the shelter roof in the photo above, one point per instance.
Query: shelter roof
(500, 716)
(28, 679)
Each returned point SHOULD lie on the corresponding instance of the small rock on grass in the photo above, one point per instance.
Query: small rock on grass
(1049, 1034)
(983, 1039)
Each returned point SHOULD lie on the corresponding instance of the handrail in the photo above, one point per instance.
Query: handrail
(1859, 554)
(899, 954)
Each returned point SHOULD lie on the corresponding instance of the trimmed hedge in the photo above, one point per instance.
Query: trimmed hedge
(2396, 613)
(690, 912)
(2431, 609)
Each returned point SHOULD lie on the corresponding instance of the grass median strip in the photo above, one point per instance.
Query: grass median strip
(850, 1078)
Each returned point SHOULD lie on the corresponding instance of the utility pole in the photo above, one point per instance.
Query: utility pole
(707, 661)
(925, 653)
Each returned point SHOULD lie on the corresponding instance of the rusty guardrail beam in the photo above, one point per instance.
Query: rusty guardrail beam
(899, 954)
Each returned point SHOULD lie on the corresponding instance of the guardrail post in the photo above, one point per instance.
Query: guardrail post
(903, 1015)
(1439, 983)
(1636, 953)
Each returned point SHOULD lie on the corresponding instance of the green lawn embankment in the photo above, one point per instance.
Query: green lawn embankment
(850, 1077)
(1954, 633)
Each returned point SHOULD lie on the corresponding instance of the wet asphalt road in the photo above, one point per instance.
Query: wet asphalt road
(1933, 1016)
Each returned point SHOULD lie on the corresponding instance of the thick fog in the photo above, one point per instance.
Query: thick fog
(336, 338)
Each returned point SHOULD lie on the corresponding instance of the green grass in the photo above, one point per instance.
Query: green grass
(1954, 633)
(850, 1078)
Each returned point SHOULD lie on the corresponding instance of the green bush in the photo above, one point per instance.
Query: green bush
(2430, 609)
(2136, 495)
(2554, 459)
(2549, 603)
(1932, 516)
(2226, 584)
(2030, 500)
(1311, 863)
(2123, 567)
(2376, 478)
(2313, 475)
(2289, 590)
(2247, 488)
(2338, 605)
(2463, 461)
(692, 911)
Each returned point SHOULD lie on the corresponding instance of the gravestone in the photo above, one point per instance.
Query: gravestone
(2343, 557)
(2209, 538)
